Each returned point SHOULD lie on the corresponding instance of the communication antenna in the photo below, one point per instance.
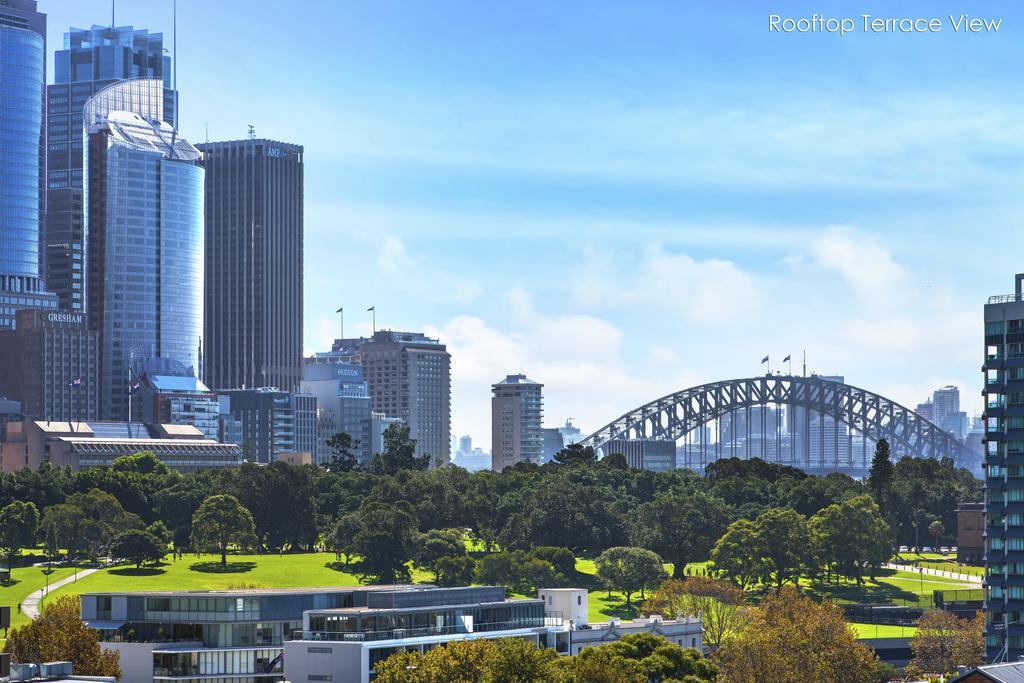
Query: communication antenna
(252, 132)
(113, 5)
(174, 67)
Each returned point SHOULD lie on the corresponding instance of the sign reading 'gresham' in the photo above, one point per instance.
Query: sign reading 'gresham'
(70, 318)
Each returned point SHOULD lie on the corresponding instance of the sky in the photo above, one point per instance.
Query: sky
(626, 199)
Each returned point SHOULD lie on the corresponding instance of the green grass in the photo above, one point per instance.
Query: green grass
(938, 561)
(896, 587)
(882, 631)
(25, 580)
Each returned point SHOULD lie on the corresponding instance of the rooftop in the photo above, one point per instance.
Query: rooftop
(520, 380)
(264, 591)
(999, 673)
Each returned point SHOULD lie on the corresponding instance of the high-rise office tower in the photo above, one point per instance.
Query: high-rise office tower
(946, 411)
(409, 376)
(91, 60)
(22, 200)
(517, 412)
(144, 189)
(254, 225)
(1003, 448)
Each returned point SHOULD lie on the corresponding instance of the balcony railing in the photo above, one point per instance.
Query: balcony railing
(427, 631)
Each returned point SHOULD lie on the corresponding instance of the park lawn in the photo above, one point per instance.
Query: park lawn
(895, 587)
(941, 562)
(883, 631)
(203, 572)
(25, 580)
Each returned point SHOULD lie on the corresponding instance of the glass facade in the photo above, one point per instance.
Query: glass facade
(267, 662)
(145, 233)
(22, 76)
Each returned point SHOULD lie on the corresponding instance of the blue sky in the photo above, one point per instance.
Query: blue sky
(622, 199)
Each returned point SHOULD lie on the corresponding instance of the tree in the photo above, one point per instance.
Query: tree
(161, 533)
(784, 541)
(792, 639)
(881, 474)
(944, 641)
(719, 603)
(737, 553)
(456, 570)
(629, 570)
(575, 454)
(138, 547)
(18, 524)
(385, 541)
(936, 530)
(562, 559)
(438, 543)
(143, 463)
(852, 538)
(399, 452)
(642, 657)
(68, 527)
(220, 522)
(59, 634)
(505, 660)
(681, 529)
(343, 535)
(343, 450)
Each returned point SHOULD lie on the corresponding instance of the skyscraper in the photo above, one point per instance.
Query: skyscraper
(144, 192)
(22, 200)
(946, 411)
(409, 376)
(91, 60)
(517, 412)
(1003, 447)
(254, 226)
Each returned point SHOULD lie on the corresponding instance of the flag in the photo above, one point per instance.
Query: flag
(786, 359)
(135, 387)
(371, 308)
(764, 360)
(76, 382)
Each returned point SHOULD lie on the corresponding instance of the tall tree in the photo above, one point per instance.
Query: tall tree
(438, 543)
(575, 454)
(792, 639)
(719, 604)
(944, 641)
(220, 522)
(137, 546)
(385, 541)
(18, 524)
(936, 530)
(399, 452)
(58, 634)
(681, 529)
(784, 541)
(649, 655)
(881, 474)
(343, 452)
(629, 570)
(737, 554)
(852, 538)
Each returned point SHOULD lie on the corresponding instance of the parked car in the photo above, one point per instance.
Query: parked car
(904, 549)
(926, 549)
(944, 550)
(954, 550)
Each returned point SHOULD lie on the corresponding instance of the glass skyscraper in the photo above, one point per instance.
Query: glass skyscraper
(22, 203)
(91, 60)
(144, 193)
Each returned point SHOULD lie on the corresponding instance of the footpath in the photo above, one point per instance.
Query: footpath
(927, 571)
(30, 605)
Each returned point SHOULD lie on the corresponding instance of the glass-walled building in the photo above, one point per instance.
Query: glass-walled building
(1003, 446)
(91, 60)
(144, 223)
(22, 206)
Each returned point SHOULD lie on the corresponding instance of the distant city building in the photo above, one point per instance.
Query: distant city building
(409, 377)
(645, 454)
(272, 421)
(22, 143)
(166, 392)
(465, 444)
(254, 232)
(343, 405)
(947, 413)
(970, 533)
(379, 423)
(1003, 398)
(10, 411)
(91, 444)
(552, 441)
(91, 60)
(473, 460)
(517, 412)
(926, 409)
(145, 237)
(50, 363)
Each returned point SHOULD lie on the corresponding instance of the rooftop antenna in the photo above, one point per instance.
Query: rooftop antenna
(252, 132)
(174, 67)
(113, 6)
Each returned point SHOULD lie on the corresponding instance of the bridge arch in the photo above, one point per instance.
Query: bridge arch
(681, 415)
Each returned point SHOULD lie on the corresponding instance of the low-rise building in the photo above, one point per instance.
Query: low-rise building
(970, 530)
(271, 421)
(645, 454)
(89, 444)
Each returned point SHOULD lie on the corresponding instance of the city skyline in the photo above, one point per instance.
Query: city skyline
(855, 200)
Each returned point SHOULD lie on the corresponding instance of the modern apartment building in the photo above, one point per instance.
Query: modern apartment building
(91, 60)
(167, 392)
(409, 377)
(272, 421)
(343, 405)
(254, 232)
(22, 136)
(145, 237)
(517, 414)
(50, 364)
(1003, 445)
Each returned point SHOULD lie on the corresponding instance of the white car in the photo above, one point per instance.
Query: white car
(926, 549)
(954, 550)
(904, 549)
(944, 550)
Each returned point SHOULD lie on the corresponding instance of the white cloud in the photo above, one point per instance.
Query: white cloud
(862, 261)
(392, 258)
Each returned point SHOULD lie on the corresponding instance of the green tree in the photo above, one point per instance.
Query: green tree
(438, 543)
(399, 452)
(58, 634)
(18, 524)
(220, 522)
(457, 570)
(385, 541)
(562, 559)
(681, 529)
(881, 474)
(936, 530)
(852, 538)
(737, 554)
(644, 657)
(629, 570)
(68, 527)
(784, 542)
(720, 605)
(575, 454)
(142, 463)
(343, 450)
(137, 547)
(504, 660)
(343, 534)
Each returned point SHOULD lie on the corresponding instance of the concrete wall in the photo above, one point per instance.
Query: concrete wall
(347, 662)
(136, 661)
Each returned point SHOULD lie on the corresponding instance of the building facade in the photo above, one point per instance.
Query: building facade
(1003, 392)
(144, 223)
(970, 533)
(409, 377)
(90, 60)
(343, 405)
(254, 233)
(97, 444)
(23, 162)
(166, 392)
(50, 364)
(517, 415)
(645, 454)
(272, 422)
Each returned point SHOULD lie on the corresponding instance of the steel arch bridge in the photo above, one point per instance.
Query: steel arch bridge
(808, 441)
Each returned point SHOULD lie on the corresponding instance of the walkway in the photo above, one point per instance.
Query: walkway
(927, 571)
(30, 605)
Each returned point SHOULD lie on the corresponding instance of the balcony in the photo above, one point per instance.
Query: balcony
(426, 632)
